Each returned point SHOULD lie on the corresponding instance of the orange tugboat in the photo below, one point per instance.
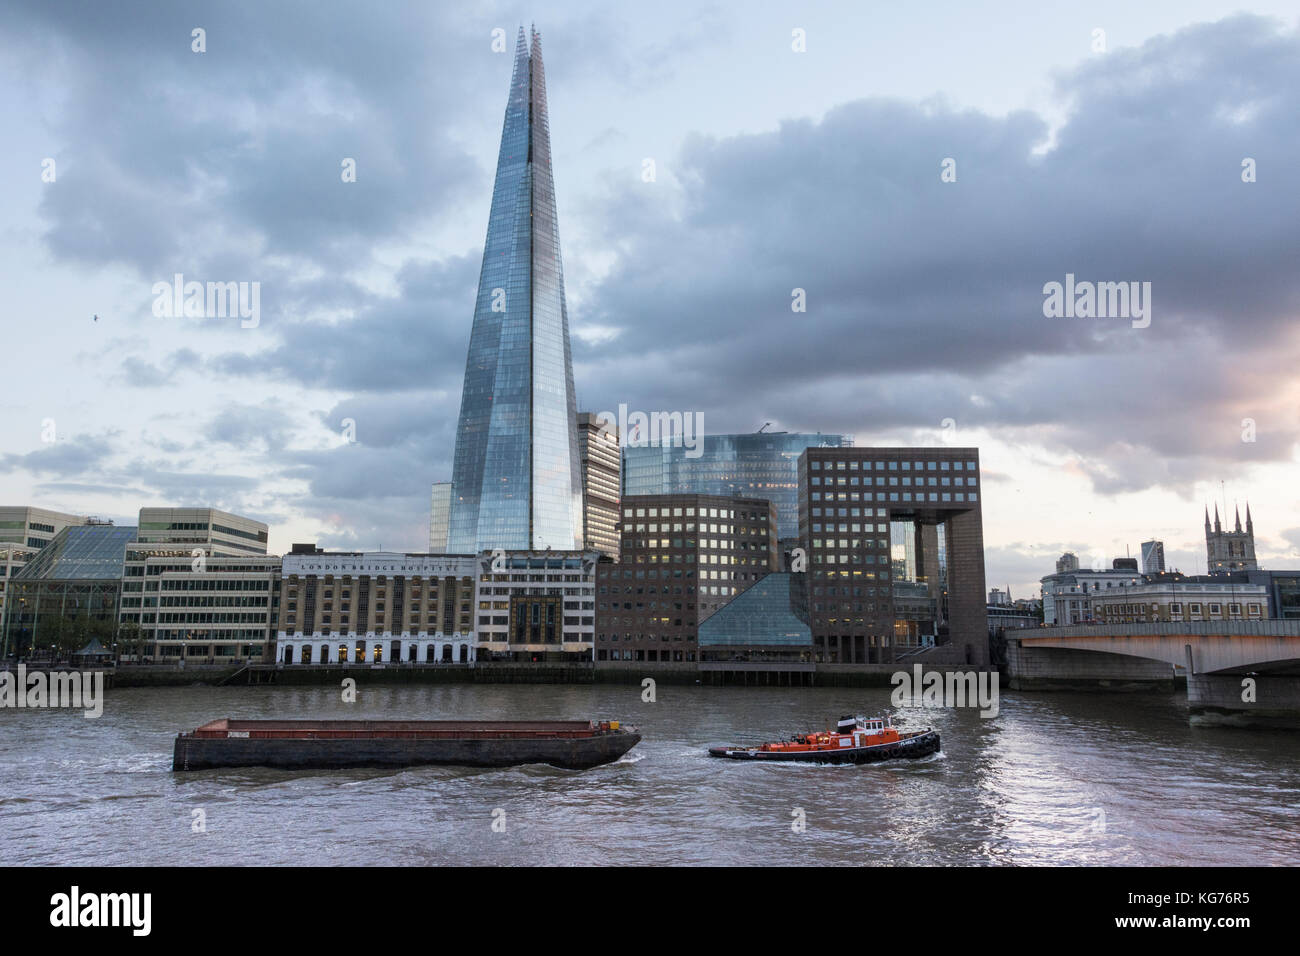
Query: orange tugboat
(854, 740)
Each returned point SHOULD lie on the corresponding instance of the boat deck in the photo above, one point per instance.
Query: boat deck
(402, 729)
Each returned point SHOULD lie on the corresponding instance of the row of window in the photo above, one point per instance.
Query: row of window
(816, 465)
(646, 655)
(919, 496)
(690, 513)
(932, 482)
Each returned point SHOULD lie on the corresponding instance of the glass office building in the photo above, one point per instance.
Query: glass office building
(75, 580)
(515, 479)
(754, 465)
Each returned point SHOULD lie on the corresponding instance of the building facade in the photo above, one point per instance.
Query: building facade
(1067, 595)
(439, 517)
(12, 559)
(206, 608)
(72, 585)
(1164, 601)
(516, 480)
(536, 606)
(34, 527)
(599, 457)
(756, 465)
(682, 558)
(208, 530)
(895, 552)
(1283, 587)
(1004, 616)
(768, 623)
(376, 608)
(1153, 557)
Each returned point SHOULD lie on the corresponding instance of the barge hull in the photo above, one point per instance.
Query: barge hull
(197, 753)
(323, 745)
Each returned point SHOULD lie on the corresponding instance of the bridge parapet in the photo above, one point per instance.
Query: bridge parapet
(1200, 646)
(1273, 628)
(1237, 671)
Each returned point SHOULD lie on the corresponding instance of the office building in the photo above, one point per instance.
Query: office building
(536, 606)
(34, 527)
(1067, 562)
(682, 558)
(439, 517)
(198, 586)
(12, 559)
(599, 458)
(70, 589)
(203, 609)
(516, 480)
(1153, 557)
(862, 511)
(756, 465)
(209, 530)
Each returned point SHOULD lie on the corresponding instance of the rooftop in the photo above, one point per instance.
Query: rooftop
(81, 553)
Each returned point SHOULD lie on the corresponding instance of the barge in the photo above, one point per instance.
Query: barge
(854, 740)
(330, 744)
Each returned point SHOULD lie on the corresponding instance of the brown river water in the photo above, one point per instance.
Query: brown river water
(1087, 779)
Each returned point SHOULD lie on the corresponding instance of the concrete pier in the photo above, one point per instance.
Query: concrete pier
(1234, 700)
(1236, 672)
(1039, 668)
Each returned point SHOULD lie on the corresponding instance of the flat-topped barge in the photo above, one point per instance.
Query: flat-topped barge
(328, 744)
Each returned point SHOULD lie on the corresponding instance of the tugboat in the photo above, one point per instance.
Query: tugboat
(854, 740)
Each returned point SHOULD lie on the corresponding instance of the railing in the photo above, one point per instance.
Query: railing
(1271, 628)
(397, 734)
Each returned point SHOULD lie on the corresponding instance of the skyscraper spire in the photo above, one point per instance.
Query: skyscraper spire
(516, 482)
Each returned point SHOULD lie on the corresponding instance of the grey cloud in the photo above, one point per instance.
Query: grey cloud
(70, 457)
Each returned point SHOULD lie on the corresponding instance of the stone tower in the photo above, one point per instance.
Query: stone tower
(1230, 550)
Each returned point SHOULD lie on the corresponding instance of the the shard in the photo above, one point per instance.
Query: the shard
(515, 480)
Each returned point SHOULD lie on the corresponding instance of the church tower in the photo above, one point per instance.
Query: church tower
(1230, 550)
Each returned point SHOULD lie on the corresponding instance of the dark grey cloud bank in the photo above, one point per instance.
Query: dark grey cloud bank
(924, 298)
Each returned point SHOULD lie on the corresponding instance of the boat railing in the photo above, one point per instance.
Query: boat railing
(393, 734)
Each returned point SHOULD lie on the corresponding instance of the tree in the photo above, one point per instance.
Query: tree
(130, 638)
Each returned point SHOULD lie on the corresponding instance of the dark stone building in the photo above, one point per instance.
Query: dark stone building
(894, 554)
(682, 557)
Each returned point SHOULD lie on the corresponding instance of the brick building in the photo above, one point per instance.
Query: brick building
(895, 553)
(683, 557)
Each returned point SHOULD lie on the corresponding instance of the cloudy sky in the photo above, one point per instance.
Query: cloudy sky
(1113, 156)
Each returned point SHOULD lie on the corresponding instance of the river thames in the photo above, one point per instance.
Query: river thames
(1080, 779)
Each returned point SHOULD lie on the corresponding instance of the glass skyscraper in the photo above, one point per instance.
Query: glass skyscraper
(754, 465)
(516, 483)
